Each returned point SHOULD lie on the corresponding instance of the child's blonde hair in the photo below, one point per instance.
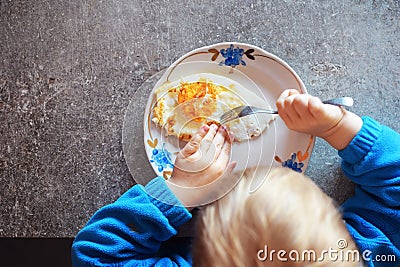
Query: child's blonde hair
(288, 213)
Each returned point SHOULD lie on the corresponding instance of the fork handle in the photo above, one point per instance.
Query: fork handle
(340, 101)
(249, 110)
(268, 111)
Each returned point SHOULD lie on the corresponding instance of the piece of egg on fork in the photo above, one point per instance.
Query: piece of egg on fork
(183, 106)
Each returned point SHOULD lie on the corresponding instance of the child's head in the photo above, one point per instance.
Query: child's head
(288, 221)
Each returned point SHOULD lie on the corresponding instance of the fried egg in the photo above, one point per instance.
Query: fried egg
(183, 106)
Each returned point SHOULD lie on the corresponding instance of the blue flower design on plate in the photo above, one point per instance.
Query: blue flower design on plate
(161, 158)
(293, 164)
(233, 56)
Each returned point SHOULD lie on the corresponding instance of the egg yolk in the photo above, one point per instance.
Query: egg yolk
(198, 100)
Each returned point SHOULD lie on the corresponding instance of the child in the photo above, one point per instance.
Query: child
(288, 218)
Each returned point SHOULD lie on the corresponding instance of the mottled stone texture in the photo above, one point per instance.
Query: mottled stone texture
(69, 69)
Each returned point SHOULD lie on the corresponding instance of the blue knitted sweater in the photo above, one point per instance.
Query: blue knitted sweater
(133, 230)
(372, 162)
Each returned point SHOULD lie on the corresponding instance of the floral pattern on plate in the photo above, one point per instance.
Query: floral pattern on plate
(233, 56)
(161, 158)
(291, 163)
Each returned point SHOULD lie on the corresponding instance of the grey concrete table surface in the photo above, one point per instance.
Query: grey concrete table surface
(69, 69)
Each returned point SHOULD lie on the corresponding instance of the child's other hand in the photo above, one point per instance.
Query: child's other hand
(204, 158)
(307, 114)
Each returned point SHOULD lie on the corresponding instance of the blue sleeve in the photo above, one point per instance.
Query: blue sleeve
(131, 231)
(372, 162)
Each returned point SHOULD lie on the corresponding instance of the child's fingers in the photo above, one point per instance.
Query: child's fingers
(194, 144)
(289, 108)
(218, 141)
(208, 138)
(294, 108)
(301, 106)
(224, 156)
(231, 167)
(280, 104)
(288, 92)
(229, 135)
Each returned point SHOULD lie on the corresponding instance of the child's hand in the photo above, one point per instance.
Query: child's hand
(204, 158)
(307, 114)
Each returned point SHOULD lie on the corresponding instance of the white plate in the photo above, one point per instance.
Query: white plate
(265, 75)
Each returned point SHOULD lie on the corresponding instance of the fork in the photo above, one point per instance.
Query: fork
(243, 111)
